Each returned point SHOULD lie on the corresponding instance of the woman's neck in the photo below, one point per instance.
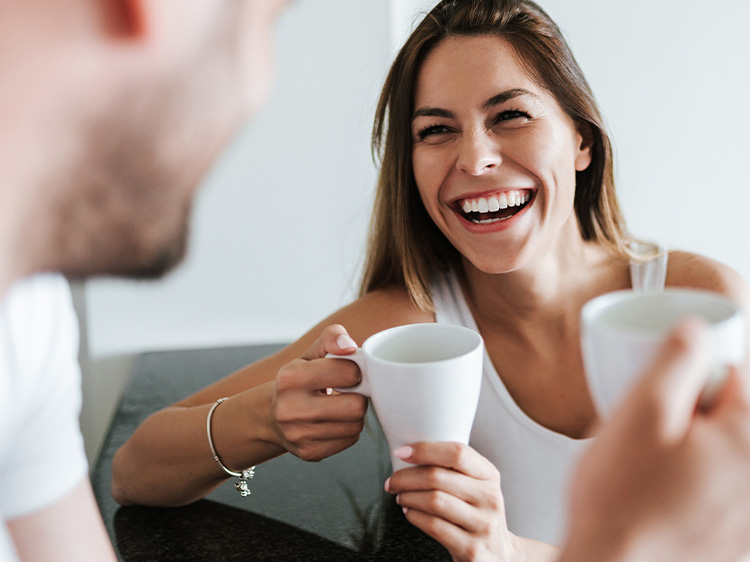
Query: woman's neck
(549, 289)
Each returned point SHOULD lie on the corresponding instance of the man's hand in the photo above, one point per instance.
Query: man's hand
(665, 480)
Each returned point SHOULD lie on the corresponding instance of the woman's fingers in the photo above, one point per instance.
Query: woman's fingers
(449, 535)
(311, 422)
(464, 478)
(317, 374)
(318, 407)
(301, 419)
(447, 507)
(334, 339)
(455, 456)
(301, 432)
(315, 440)
(466, 502)
(301, 385)
(466, 514)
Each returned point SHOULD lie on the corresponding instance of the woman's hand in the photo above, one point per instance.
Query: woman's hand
(454, 496)
(310, 420)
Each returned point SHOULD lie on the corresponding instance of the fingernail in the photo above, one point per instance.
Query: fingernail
(398, 499)
(387, 485)
(404, 509)
(345, 342)
(403, 452)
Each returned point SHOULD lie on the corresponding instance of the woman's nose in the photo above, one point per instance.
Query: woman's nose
(477, 153)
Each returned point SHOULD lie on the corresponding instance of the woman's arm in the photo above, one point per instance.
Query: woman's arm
(691, 271)
(686, 270)
(276, 405)
(168, 460)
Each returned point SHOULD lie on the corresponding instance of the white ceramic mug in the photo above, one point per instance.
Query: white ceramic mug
(622, 331)
(423, 380)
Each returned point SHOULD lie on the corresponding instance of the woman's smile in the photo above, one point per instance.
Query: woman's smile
(493, 208)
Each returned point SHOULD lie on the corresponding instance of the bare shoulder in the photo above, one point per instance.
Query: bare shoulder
(379, 310)
(367, 315)
(695, 271)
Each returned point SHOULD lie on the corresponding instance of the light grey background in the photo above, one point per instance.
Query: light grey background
(279, 227)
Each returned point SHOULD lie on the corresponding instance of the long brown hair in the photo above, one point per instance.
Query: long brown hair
(405, 247)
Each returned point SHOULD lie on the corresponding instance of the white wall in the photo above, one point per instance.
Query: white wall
(673, 80)
(279, 228)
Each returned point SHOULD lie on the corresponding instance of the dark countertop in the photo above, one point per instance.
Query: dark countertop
(332, 510)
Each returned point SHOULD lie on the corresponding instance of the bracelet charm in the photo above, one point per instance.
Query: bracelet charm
(241, 486)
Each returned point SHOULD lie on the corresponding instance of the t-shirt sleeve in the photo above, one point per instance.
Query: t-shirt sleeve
(43, 457)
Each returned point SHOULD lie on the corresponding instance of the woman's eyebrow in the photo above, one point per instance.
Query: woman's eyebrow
(505, 96)
(432, 112)
(490, 103)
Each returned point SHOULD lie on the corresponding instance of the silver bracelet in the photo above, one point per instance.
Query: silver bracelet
(244, 475)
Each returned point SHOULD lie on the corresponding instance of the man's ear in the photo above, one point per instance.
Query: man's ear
(583, 156)
(165, 22)
(126, 19)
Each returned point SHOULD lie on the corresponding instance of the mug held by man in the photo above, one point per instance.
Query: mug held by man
(621, 333)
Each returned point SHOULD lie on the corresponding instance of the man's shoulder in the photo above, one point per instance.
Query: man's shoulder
(38, 294)
(37, 318)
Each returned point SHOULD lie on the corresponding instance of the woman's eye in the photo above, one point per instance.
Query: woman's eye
(511, 115)
(432, 131)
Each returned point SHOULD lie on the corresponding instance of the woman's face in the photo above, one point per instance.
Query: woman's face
(494, 155)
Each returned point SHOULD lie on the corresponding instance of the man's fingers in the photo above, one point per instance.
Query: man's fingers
(733, 393)
(670, 389)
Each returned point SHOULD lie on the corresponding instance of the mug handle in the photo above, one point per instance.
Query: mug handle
(357, 357)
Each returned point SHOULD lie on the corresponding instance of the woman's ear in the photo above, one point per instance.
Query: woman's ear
(586, 143)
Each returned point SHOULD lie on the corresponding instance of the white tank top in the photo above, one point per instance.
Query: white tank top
(535, 463)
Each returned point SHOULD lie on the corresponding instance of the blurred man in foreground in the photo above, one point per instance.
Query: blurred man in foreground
(112, 111)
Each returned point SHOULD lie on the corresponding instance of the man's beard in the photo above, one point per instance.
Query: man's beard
(164, 259)
(120, 252)
(162, 263)
(126, 207)
(122, 205)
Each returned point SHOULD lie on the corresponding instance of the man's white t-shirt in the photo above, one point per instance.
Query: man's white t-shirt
(42, 458)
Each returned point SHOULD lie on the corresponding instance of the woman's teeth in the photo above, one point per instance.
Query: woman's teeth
(495, 203)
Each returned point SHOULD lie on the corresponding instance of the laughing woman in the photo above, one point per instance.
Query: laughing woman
(495, 209)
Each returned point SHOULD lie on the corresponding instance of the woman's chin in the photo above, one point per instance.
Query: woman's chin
(494, 266)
